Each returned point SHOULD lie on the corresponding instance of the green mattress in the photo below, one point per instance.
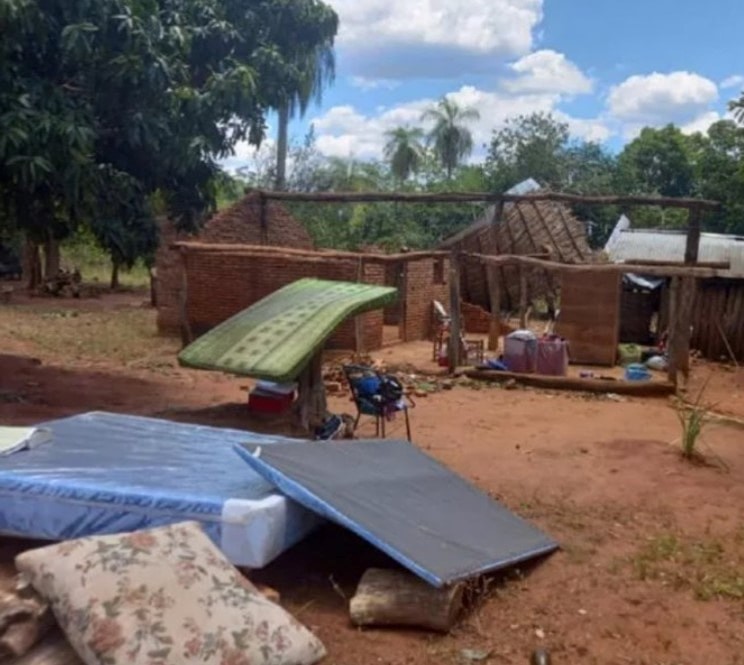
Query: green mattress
(275, 338)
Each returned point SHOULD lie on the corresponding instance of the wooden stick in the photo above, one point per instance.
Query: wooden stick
(716, 265)
(672, 328)
(731, 353)
(494, 295)
(659, 271)
(467, 197)
(455, 347)
(523, 287)
(311, 394)
(633, 388)
(397, 598)
(288, 252)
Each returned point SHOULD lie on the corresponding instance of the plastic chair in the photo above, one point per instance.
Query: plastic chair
(365, 383)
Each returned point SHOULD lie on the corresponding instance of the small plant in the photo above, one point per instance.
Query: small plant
(693, 418)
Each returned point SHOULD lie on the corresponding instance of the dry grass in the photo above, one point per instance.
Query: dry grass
(126, 336)
(712, 567)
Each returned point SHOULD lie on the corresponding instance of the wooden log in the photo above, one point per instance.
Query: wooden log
(523, 289)
(632, 388)
(454, 352)
(715, 265)
(692, 246)
(468, 197)
(494, 295)
(397, 598)
(672, 328)
(589, 268)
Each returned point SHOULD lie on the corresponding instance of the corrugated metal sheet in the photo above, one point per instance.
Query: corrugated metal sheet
(669, 245)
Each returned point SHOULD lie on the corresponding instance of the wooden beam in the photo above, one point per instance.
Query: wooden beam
(468, 197)
(672, 328)
(237, 249)
(455, 346)
(264, 220)
(715, 265)
(660, 271)
(549, 231)
(637, 388)
(358, 332)
(187, 335)
(311, 394)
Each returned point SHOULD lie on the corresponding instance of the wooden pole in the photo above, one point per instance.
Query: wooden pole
(311, 397)
(455, 333)
(672, 328)
(692, 248)
(358, 329)
(187, 335)
(264, 220)
(494, 294)
(523, 288)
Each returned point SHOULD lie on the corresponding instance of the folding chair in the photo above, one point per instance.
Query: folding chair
(365, 383)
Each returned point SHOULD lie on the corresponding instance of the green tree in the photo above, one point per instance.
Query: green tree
(450, 137)
(529, 146)
(141, 97)
(315, 70)
(404, 151)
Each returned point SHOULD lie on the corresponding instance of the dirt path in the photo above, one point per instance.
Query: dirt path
(652, 546)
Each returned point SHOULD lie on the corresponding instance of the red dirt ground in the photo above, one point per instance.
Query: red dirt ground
(650, 570)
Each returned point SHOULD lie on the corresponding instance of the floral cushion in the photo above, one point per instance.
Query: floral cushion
(163, 597)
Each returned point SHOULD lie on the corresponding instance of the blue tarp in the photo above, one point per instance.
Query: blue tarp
(107, 473)
(403, 502)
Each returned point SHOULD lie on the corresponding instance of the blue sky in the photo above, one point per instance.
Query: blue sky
(607, 67)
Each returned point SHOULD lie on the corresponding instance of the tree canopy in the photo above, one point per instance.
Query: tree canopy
(105, 102)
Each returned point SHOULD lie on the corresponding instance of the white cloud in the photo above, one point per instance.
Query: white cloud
(736, 81)
(548, 71)
(345, 132)
(655, 99)
(702, 123)
(480, 26)
(366, 84)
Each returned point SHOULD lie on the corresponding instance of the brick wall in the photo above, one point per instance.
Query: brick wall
(220, 284)
(426, 280)
(475, 319)
(239, 224)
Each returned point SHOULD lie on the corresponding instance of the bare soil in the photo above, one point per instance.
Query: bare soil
(651, 567)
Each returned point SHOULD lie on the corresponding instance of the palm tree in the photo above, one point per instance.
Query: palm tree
(404, 151)
(317, 71)
(451, 139)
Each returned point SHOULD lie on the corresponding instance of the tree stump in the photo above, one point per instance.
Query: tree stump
(397, 598)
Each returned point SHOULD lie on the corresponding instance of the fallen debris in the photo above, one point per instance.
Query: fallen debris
(397, 598)
(634, 388)
(24, 619)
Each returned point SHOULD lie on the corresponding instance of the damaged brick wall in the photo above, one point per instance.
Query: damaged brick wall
(241, 223)
(426, 281)
(220, 284)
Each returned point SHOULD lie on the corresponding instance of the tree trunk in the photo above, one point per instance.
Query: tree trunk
(51, 258)
(31, 265)
(114, 275)
(282, 146)
(397, 598)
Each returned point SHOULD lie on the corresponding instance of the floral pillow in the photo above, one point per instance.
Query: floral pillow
(163, 597)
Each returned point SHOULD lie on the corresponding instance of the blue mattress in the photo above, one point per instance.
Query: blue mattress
(106, 473)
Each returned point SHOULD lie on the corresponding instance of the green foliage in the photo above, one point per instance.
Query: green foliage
(404, 151)
(693, 419)
(104, 103)
(450, 138)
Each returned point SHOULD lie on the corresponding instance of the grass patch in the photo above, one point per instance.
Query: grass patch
(95, 265)
(693, 418)
(125, 336)
(712, 568)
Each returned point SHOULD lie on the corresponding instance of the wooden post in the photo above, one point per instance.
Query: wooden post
(494, 293)
(523, 286)
(692, 248)
(455, 344)
(358, 330)
(311, 397)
